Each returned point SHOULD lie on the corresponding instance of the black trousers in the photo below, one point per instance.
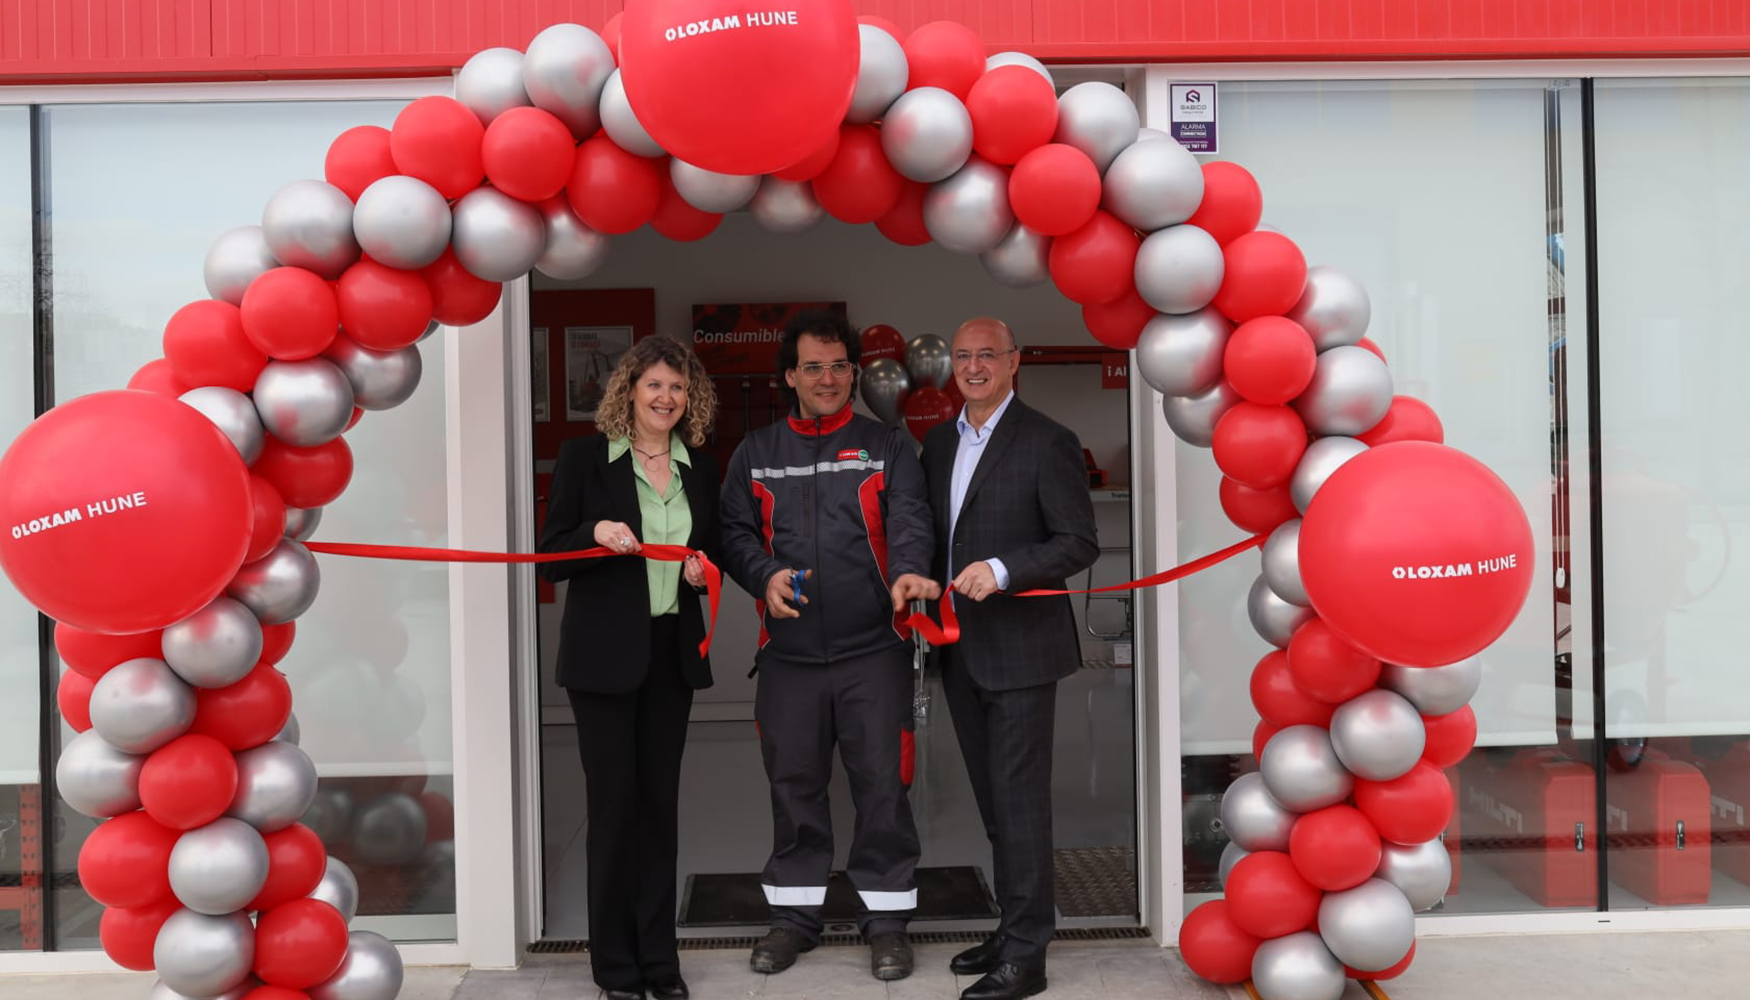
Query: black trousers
(1006, 739)
(631, 745)
(862, 705)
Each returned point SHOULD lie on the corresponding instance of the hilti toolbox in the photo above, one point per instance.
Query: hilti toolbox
(1532, 817)
(1725, 763)
(1658, 819)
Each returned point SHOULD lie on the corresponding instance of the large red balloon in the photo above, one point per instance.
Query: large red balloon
(122, 511)
(1096, 263)
(1267, 896)
(1256, 511)
(126, 861)
(677, 219)
(945, 54)
(188, 782)
(1259, 445)
(859, 185)
(306, 477)
(1328, 667)
(73, 699)
(1277, 699)
(383, 308)
(1335, 848)
(245, 714)
(739, 89)
(157, 376)
(1264, 274)
(1416, 553)
(290, 313)
(925, 408)
(94, 653)
(296, 861)
(611, 190)
(1232, 202)
(358, 158)
(904, 222)
(458, 298)
(881, 341)
(127, 934)
(527, 153)
(1055, 189)
(1014, 111)
(1269, 360)
(1450, 737)
(1409, 809)
(1409, 419)
(1118, 323)
(437, 139)
(299, 943)
(205, 345)
(1214, 946)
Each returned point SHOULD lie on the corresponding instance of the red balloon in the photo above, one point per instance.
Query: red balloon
(1214, 946)
(73, 699)
(1328, 667)
(126, 861)
(1259, 446)
(440, 817)
(122, 511)
(1370, 345)
(188, 782)
(1409, 809)
(358, 158)
(904, 222)
(1279, 702)
(1269, 360)
(1232, 202)
(859, 185)
(276, 641)
(611, 34)
(94, 653)
(810, 166)
(945, 54)
(1055, 189)
(1014, 111)
(1417, 553)
(1450, 737)
(358, 412)
(383, 308)
(1267, 897)
(1118, 323)
(127, 934)
(1096, 263)
(736, 89)
(158, 377)
(881, 341)
(276, 992)
(1261, 734)
(290, 313)
(306, 477)
(677, 219)
(611, 190)
(884, 24)
(245, 714)
(1256, 511)
(528, 153)
(1265, 274)
(1409, 419)
(296, 861)
(457, 297)
(926, 407)
(1335, 848)
(205, 345)
(437, 139)
(299, 943)
(1384, 974)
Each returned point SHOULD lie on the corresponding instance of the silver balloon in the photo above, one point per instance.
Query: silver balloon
(160, 991)
(308, 224)
(280, 586)
(1297, 967)
(1281, 561)
(1181, 355)
(1179, 269)
(234, 414)
(1369, 928)
(621, 124)
(564, 71)
(1193, 418)
(881, 75)
(1435, 690)
(291, 732)
(371, 971)
(1422, 872)
(1146, 134)
(330, 815)
(885, 384)
(140, 705)
(710, 191)
(927, 134)
(402, 222)
(1253, 820)
(1378, 735)
(1334, 308)
(928, 361)
(497, 238)
(236, 258)
(1021, 260)
(96, 779)
(390, 830)
(573, 250)
(491, 83)
(219, 867)
(1152, 185)
(216, 646)
(204, 956)
(1274, 618)
(1301, 769)
(380, 380)
(1321, 458)
(339, 888)
(301, 522)
(1349, 393)
(1231, 855)
(276, 783)
(1098, 119)
(785, 206)
(303, 403)
(969, 212)
(1019, 59)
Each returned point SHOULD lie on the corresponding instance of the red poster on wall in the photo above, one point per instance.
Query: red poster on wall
(742, 338)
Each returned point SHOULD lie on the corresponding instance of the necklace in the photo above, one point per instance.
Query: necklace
(650, 455)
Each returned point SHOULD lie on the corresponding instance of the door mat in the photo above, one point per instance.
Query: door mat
(721, 900)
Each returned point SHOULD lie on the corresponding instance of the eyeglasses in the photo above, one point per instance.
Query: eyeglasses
(813, 371)
(964, 358)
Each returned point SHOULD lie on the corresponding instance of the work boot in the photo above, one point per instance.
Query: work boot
(890, 955)
(777, 951)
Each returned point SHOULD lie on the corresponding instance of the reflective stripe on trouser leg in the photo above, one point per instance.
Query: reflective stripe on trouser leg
(795, 895)
(879, 901)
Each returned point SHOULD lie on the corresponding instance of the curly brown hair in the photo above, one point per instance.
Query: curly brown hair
(614, 415)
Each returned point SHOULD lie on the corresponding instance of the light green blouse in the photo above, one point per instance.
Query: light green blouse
(668, 520)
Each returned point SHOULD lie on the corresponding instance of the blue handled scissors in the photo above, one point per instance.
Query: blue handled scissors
(796, 578)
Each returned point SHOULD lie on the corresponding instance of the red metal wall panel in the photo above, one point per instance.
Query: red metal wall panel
(96, 40)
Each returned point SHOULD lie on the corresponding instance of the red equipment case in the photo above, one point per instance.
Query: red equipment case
(1660, 827)
(1534, 819)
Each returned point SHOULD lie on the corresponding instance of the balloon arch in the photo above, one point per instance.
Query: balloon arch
(1390, 559)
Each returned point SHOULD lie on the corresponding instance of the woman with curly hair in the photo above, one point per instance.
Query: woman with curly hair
(629, 645)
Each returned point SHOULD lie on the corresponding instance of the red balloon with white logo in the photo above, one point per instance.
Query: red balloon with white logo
(926, 407)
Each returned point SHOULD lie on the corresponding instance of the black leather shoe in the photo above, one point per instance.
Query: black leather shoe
(1007, 981)
(777, 951)
(623, 994)
(978, 959)
(890, 955)
(669, 987)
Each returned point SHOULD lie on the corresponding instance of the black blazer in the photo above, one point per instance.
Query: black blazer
(1028, 505)
(604, 636)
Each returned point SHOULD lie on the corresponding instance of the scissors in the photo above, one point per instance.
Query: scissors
(796, 578)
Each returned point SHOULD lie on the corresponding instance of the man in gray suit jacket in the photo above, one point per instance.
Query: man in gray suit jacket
(1009, 491)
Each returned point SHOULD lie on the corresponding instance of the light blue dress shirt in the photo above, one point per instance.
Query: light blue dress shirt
(966, 456)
